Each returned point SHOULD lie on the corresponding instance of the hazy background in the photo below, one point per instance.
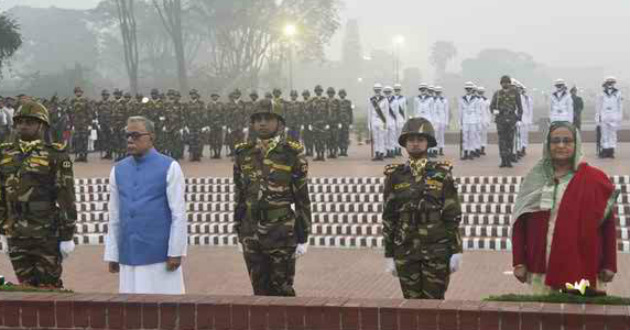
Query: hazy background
(580, 41)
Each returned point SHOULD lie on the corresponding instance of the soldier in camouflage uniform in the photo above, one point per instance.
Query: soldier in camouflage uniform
(506, 105)
(216, 122)
(292, 115)
(154, 111)
(333, 122)
(319, 123)
(195, 119)
(104, 108)
(37, 200)
(305, 123)
(270, 176)
(235, 121)
(346, 119)
(421, 217)
(81, 117)
(174, 127)
(251, 107)
(119, 121)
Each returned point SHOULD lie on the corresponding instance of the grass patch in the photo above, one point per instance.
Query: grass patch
(562, 298)
(24, 288)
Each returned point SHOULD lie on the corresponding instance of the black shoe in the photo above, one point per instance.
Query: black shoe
(483, 151)
(465, 156)
(524, 152)
(611, 153)
(508, 164)
(441, 152)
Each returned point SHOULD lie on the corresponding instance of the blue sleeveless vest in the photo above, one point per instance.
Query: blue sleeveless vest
(145, 216)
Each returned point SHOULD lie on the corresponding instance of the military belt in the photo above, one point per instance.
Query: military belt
(27, 207)
(266, 214)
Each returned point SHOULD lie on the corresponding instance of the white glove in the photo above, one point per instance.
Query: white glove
(5, 244)
(456, 262)
(229, 130)
(351, 126)
(327, 127)
(302, 128)
(240, 247)
(339, 126)
(163, 129)
(310, 127)
(181, 131)
(223, 127)
(390, 266)
(66, 247)
(300, 250)
(495, 112)
(245, 130)
(162, 118)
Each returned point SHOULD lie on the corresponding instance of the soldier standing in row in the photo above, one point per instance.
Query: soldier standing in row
(377, 122)
(333, 123)
(346, 119)
(508, 109)
(104, 108)
(401, 114)
(292, 116)
(119, 121)
(421, 217)
(609, 114)
(392, 123)
(307, 127)
(250, 107)
(469, 121)
(216, 122)
(81, 117)
(195, 121)
(174, 126)
(154, 110)
(235, 110)
(319, 122)
(37, 205)
(561, 103)
(271, 176)
(441, 112)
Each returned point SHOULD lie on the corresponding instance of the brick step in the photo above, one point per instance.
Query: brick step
(618, 179)
(329, 241)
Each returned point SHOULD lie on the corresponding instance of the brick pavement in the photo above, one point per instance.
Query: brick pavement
(321, 273)
(359, 164)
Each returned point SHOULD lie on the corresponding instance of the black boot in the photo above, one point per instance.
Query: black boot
(483, 151)
(465, 155)
(524, 152)
(611, 153)
(441, 152)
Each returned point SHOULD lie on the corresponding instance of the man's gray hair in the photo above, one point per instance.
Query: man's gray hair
(148, 124)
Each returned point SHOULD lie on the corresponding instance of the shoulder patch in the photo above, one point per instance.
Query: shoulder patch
(243, 146)
(389, 169)
(59, 146)
(297, 146)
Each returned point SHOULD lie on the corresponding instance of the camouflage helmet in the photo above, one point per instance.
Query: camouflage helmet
(118, 92)
(306, 92)
(78, 89)
(418, 126)
(330, 90)
(267, 106)
(105, 92)
(342, 92)
(127, 95)
(32, 109)
(155, 91)
(294, 92)
(319, 88)
(253, 93)
(193, 92)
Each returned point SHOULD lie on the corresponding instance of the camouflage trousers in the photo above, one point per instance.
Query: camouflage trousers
(333, 140)
(344, 139)
(309, 143)
(320, 137)
(506, 140)
(195, 143)
(81, 141)
(271, 271)
(36, 262)
(215, 140)
(174, 144)
(424, 277)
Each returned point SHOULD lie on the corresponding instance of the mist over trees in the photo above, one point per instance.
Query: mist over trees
(10, 38)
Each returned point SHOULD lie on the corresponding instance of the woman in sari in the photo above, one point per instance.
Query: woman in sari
(564, 220)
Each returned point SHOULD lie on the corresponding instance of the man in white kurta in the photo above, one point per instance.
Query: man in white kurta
(147, 236)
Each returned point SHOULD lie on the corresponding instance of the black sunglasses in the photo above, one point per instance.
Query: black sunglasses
(135, 135)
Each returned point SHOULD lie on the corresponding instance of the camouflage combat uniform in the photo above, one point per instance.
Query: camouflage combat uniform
(268, 180)
(104, 108)
(334, 123)
(346, 118)
(306, 123)
(195, 119)
(81, 119)
(320, 124)
(236, 121)
(37, 208)
(421, 217)
(174, 124)
(154, 111)
(508, 102)
(119, 121)
(293, 112)
(216, 121)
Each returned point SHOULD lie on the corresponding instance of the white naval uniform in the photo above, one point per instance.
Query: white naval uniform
(378, 128)
(423, 107)
(609, 114)
(154, 278)
(527, 120)
(469, 119)
(401, 112)
(440, 107)
(561, 107)
(486, 120)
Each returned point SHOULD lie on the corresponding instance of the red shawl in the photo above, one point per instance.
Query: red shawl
(576, 248)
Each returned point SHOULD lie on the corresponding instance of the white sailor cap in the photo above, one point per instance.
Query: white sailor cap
(611, 79)
(423, 85)
(481, 89)
(397, 87)
(378, 86)
(559, 82)
(469, 84)
(388, 89)
(438, 88)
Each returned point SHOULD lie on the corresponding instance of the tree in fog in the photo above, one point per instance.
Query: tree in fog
(352, 55)
(10, 38)
(128, 32)
(442, 52)
(171, 13)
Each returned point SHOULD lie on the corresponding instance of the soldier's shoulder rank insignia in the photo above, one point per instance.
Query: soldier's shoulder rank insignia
(444, 164)
(58, 146)
(389, 169)
(296, 146)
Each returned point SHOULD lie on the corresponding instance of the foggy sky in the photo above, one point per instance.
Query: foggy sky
(559, 33)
